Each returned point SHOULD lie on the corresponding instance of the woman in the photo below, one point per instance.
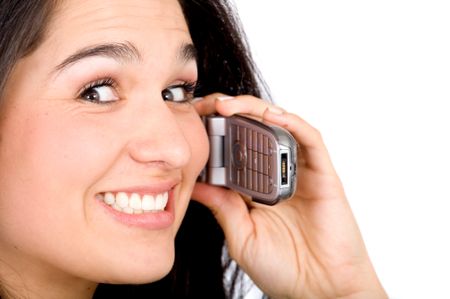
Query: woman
(101, 145)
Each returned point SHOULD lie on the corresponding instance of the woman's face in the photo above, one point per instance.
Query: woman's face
(95, 115)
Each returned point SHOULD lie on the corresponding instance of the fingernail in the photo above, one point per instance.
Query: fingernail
(196, 99)
(275, 110)
(225, 98)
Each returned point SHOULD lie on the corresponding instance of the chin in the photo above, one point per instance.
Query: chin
(141, 271)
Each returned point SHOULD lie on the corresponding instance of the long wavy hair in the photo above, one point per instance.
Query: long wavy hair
(224, 65)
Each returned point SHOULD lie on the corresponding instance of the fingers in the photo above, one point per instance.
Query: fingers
(227, 106)
(230, 211)
(245, 104)
(206, 105)
(314, 152)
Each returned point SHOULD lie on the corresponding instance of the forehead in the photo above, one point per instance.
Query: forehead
(105, 11)
(96, 21)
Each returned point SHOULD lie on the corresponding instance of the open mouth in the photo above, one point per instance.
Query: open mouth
(135, 203)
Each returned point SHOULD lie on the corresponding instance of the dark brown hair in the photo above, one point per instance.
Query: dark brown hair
(225, 65)
(22, 27)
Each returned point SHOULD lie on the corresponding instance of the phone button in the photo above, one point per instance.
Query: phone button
(265, 169)
(270, 185)
(266, 184)
(249, 179)
(249, 138)
(255, 181)
(270, 148)
(234, 133)
(239, 156)
(242, 135)
(266, 145)
(260, 182)
(241, 178)
(260, 162)
(260, 143)
(255, 161)
(249, 158)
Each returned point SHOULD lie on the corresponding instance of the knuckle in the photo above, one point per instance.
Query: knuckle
(316, 133)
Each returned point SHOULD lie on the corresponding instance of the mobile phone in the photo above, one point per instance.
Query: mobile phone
(251, 157)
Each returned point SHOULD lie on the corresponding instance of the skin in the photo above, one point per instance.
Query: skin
(307, 247)
(57, 151)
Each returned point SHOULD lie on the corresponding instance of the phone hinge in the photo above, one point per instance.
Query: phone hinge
(216, 171)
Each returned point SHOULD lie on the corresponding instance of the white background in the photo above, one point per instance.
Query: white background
(374, 78)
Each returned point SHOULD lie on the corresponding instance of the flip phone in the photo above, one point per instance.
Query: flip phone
(252, 158)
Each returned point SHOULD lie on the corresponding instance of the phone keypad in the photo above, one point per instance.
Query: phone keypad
(252, 158)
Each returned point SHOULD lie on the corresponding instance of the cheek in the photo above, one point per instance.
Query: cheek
(196, 136)
(197, 139)
(48, 164)
(64, 155)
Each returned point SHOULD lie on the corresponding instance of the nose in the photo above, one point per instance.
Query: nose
(158, 137)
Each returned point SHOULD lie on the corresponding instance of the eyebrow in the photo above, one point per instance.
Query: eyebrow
(123, 52)
(119, 51)
(187, 52)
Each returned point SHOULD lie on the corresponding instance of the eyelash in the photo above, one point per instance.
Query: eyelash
(188, 87)
(110, 82)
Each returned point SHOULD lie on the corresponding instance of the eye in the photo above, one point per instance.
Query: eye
(100, 92)
(180, 93)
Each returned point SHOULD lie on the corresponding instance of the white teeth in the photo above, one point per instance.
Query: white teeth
(160, 203)
(117, 208)
(122, 199)
(134, 204)
(128, 210)
(148, 203)
(109, 198)
(135, 201)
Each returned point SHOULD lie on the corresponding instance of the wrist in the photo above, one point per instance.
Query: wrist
(369, 294)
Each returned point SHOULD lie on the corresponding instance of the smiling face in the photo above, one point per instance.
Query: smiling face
(95, 138)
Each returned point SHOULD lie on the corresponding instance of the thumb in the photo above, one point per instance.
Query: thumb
(231, 213)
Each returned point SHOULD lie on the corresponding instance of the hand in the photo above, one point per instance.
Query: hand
(306, 247)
